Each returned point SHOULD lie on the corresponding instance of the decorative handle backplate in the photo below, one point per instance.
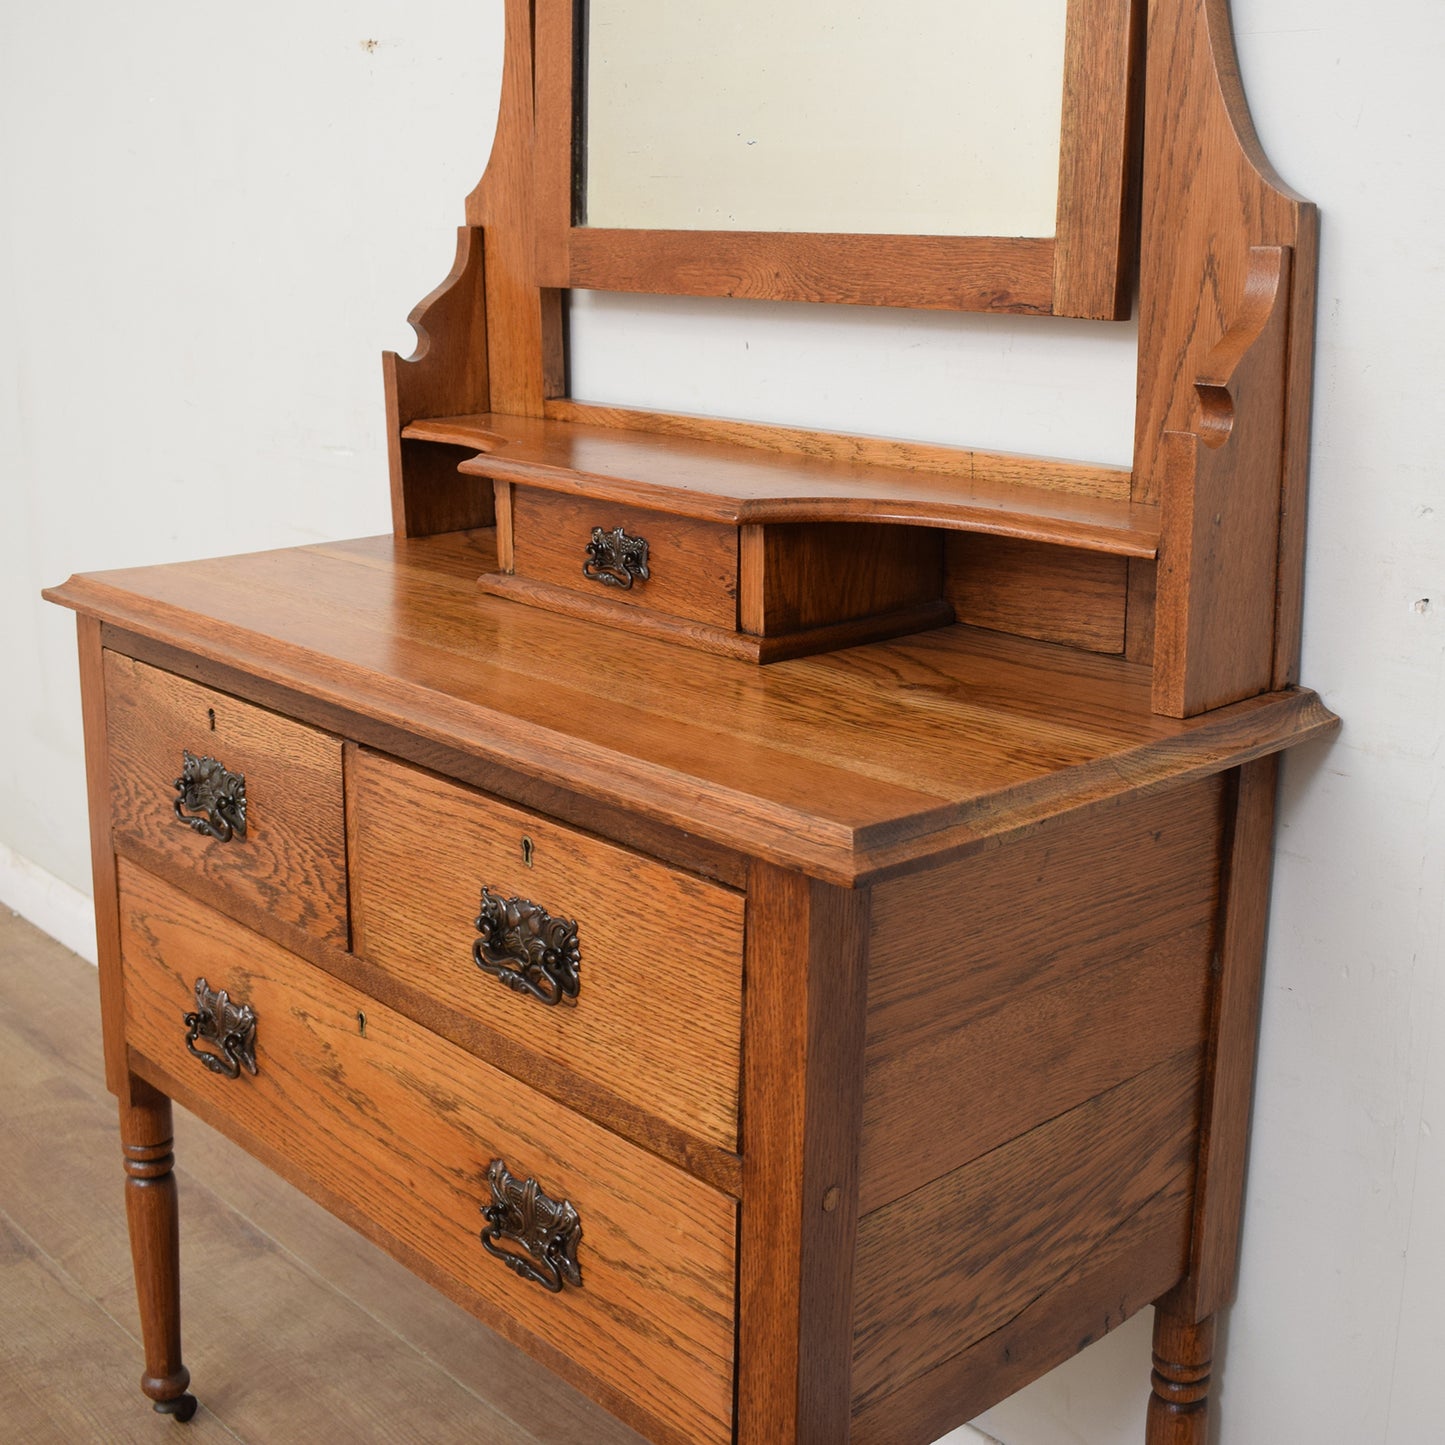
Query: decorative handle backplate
(230, 1026)
(616, 559)
(526, 948)
(547, 1231)
(214, 795)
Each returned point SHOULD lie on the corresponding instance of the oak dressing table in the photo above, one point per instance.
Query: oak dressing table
(770, 921)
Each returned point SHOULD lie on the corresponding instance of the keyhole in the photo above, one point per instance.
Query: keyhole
(211, 714)
(527, 851)
(361, 1023)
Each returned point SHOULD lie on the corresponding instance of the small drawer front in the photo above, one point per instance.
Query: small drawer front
(601, 1251)
(258, 814)
(692, 566)
(614, 965)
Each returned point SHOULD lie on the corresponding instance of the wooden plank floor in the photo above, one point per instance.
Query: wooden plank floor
(296, 1329)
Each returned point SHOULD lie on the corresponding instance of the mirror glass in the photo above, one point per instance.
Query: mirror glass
(921, 117)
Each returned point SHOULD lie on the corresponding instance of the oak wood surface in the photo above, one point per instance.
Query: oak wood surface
(851, 766)
(147, 1144)
(796, 576)
(292, 859)
(1229, 1081)
(1093, 247)
(296, 1328)
(605, 610)
(102, 859)
(1214, 610)
(724, 481)
(1210, 201)
(1055, 594)
(1179, 1399)
(402, 1125)
(657, 1018)
(693, 564)
(949, 273)
(955, 1261)
(802, 1085)
(976, 273)
(446, 372)
(1112, 1284)
(1083, 960)
(1085, 478)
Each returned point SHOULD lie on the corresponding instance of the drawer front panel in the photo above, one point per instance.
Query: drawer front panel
(404, 1126)
(656, 1016)
(692, 565)
(290, 860)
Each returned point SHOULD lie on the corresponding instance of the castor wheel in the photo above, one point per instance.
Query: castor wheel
(181, 1408)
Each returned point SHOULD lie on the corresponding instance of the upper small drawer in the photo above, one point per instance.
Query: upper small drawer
(249, 801)
(618, 967)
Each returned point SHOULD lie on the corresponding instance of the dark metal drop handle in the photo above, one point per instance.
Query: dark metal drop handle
(545, 1232)
(210, 798)
(526, 948)
(616, 559)
(229, 1026)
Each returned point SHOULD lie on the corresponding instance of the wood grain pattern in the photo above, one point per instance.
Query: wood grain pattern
(798, 576)
(722, 481)
(720, 641)
(970, 272)
(1179, 1399)
(102, 859)
(446, 373)
(524, 324)
(403, 1125)
(803, 1069)
(657, 1019)
(1084, 478)
(1211, 201)
(957, 1260)
(853, 765)
(1093, 256)
(1229, 1083)
(155, 1241)
(1117, 1279)
(694, 565)
(1025, 1012)
(1056, 594)
(951, 273)
(292, 861)
(1214, 608)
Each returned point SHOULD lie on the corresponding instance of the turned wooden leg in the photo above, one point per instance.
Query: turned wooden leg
(1179, 1405)
(155, 1246)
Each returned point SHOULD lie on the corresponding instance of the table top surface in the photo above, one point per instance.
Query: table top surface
(849, 765)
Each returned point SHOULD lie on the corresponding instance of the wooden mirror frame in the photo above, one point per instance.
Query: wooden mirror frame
(1083, 270)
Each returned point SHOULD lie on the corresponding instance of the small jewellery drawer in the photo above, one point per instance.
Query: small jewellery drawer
(246, 800)
(558, 1231)
(611, 964)
(633, 555)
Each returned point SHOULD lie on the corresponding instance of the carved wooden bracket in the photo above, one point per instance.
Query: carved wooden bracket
(1219, 543)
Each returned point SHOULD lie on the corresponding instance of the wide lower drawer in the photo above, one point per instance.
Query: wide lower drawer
(405, 1128)
(467, 899)
(260, 820)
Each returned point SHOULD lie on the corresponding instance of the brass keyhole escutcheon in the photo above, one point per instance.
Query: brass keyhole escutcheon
(527, 851)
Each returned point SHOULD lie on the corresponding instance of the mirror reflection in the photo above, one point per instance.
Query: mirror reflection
(923, 117)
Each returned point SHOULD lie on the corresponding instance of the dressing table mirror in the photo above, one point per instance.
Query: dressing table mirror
(769, 920)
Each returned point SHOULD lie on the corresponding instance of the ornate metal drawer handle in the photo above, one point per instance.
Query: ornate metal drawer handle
(219, 796)
(615, 559)
(230, 1026)
(524, 947)
(548, 1230)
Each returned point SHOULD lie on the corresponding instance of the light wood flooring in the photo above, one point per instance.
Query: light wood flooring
(296, 1329)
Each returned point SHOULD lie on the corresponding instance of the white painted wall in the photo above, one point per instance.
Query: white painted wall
(214, 219)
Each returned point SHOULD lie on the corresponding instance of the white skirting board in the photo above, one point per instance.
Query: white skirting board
(51, 904)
